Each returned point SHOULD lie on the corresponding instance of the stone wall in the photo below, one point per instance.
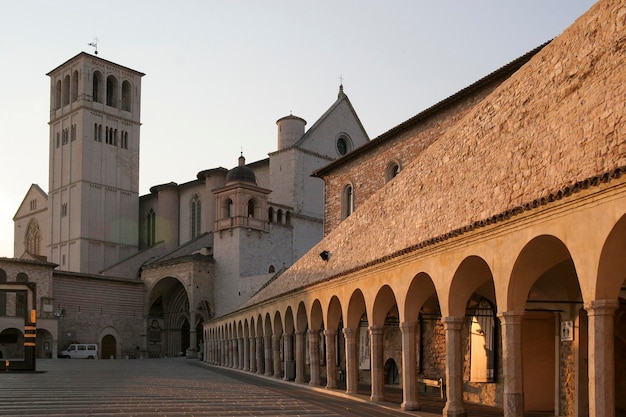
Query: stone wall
(89, 305)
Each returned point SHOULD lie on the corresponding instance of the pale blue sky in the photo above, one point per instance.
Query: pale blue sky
(220, 73)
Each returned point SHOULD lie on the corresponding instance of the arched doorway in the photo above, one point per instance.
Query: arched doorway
(109, 350)
(392, 376)
(184, 337)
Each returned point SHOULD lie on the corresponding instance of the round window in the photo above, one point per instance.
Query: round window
(342, 146)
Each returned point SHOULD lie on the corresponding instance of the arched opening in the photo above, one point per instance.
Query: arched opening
(251, 208)
(392, 375)
(347, 201)
(109, 347)
(44, 344)
(545, 282)
(74, 92)
(112, 91)
(126, 95)
(96, 90)
(58, 93)
(66, 90)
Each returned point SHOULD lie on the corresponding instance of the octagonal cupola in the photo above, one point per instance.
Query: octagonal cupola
(241, 173)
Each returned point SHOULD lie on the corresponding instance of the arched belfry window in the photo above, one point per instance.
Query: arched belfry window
(32, 240)
(66, 90)
(126, 95)
(74, 92)
(347, 201)
(97, 87)
(111, 91)
(196, 216)
(482, 341)
(229, 208)
(57, 95)
(251, 208)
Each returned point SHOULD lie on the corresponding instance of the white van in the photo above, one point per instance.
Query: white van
(80, 351)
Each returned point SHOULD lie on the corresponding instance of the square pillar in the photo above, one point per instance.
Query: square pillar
(352, 362)
(512, 369)
(409, 366)
(331, 358)
(454, 367)
(378, 365)
(314, 353)
(300, 357)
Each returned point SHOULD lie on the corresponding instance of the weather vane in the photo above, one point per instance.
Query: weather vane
(94, 44)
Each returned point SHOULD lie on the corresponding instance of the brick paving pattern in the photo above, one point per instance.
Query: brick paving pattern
(164, 387)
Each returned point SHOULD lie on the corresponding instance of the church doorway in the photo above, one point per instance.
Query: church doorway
(184, 338)
(108, 347)
(392, 376)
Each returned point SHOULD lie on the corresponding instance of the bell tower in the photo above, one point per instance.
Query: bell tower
(93, 198)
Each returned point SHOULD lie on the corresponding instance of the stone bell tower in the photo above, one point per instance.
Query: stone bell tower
(94, 163)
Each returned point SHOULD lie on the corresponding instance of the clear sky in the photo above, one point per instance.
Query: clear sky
(220, 73)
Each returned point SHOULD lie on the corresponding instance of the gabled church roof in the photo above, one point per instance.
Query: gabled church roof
(539, 136)
(33, 191)
(341, 98)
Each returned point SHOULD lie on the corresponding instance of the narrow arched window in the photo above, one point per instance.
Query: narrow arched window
(251, 208)
(393, 169)
(347, 201)
(196, 216)
(288, 218)
(74, 92)
(66, 90)
(230, 208)
(58, 92)
(151, 228)
(126, 95)
(270, 214)
(111, 91)
(271, 269)
(279, 216)
(97, 87)
(33, 238)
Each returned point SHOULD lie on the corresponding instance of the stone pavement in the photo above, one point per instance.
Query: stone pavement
(167, 387)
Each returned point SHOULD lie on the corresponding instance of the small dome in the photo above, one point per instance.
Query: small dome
(241, 173)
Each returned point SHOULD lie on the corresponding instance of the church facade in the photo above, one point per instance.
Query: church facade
(474, 252)
(140, 274)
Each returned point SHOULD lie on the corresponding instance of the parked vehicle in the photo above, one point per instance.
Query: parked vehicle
(80, 351)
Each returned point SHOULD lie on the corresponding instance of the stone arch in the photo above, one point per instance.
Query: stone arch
(168, 304)
(317, 316)
(356, 309)
(542, 253)
(385, 300)
(301, 318)
(334, 313)
(473, 274)
(612, 266)
(544, 286)
(420, 290)
(110, 331)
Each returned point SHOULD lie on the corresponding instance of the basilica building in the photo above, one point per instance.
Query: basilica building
(140, 274)
(475, 253)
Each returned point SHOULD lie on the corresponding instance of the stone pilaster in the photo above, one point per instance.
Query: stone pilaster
(331, 361)
(246, 354)
(601, 315)
(511, 325)
(378, 365)
(454, 368)
(252, 354)
(314, 353)
(409, 367)
(260, 364)
(287, 353)
(352, 362)
(300, 357)
(276, 356)
(267, 344)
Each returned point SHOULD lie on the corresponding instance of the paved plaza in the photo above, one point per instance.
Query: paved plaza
(167, 387)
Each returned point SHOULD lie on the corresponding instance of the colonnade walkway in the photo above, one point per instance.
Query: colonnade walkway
(171, 387)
